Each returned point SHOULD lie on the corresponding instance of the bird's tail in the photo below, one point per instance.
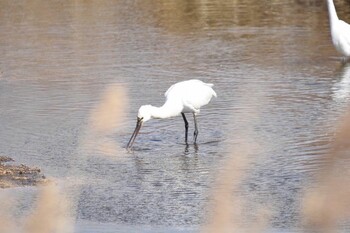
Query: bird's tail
(211, 85)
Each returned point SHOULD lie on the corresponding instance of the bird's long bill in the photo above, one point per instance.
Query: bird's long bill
(136, 131)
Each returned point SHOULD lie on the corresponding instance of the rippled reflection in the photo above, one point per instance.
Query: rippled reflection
(341, 89)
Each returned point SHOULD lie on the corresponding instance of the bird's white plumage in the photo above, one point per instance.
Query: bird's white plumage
(340, 31)
(191, 94)
(341, 39)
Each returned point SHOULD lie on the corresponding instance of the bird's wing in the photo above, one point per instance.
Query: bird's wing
(199, 95)
(212, 91)
(169, 90)
(191, 93)
(182, 85)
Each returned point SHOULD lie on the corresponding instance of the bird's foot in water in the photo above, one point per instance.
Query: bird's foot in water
(345, 60)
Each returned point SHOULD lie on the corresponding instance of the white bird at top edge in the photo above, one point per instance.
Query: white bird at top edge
(340, 31)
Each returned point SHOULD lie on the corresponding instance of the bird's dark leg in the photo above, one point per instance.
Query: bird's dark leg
(195, 128)
(186, 126)
(344, 60)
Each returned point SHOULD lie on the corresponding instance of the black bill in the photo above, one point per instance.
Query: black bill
(136, 131)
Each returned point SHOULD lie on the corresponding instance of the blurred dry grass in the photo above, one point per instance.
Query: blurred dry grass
(7, 224)
(109, 112)
(104, 120)
(51, 214)
(328, 203)
(227, 213)
(324, 207)
(227, 210)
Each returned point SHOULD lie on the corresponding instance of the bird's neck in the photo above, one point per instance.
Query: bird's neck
(333, 17)
(166, 111)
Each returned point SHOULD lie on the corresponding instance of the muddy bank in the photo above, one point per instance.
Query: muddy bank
(12, 175)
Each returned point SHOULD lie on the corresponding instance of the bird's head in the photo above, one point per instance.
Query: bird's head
(144, 113)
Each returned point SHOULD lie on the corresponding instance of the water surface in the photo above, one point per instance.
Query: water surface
(274, 70)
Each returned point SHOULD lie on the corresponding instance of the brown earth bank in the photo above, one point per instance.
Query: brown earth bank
(12, 175)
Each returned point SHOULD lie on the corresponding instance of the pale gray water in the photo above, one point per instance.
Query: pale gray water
(272, 59)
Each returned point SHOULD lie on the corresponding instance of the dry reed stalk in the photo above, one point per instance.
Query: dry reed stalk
(109, 112)
(105, 118)
(6, 221)
(227, 206)
(227, 213)
(326, 205)
(52, 213)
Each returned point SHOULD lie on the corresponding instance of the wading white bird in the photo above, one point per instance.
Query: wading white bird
(340, 31)
(182, 97)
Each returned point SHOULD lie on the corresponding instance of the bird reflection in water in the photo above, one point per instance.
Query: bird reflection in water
(341, 89)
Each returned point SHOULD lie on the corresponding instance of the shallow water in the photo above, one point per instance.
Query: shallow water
(274, 70)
